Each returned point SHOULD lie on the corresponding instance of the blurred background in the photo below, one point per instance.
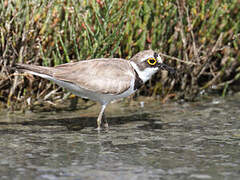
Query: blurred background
(204, 34)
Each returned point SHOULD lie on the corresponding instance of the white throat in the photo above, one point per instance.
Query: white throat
(146, 74)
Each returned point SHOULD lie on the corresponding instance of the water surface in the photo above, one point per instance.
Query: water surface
(197, 140)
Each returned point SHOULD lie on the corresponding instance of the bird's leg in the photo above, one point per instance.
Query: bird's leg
(105, 125)
(99, 119)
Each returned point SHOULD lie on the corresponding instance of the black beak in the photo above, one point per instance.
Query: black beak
(171, 70)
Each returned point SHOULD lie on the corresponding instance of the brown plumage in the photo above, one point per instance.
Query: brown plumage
(86, 74)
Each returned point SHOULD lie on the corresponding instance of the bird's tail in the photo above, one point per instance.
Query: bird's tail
(41, 71)
(33, 69)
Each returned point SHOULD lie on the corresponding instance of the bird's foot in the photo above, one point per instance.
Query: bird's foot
(104, 127)
(98, 129)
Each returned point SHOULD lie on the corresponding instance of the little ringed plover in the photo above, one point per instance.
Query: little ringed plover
(104, 79)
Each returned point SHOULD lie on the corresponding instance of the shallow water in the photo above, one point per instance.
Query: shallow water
(199, 140)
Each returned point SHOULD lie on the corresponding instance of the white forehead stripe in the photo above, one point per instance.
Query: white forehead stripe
(159, 59)
(146, 57)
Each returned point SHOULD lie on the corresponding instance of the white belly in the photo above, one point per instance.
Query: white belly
(102, 98)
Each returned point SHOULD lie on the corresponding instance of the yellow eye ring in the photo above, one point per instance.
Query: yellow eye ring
(152, 61)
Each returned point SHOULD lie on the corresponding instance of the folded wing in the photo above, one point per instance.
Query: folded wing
(100, 75)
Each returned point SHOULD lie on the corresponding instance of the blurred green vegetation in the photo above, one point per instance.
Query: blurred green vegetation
(54, 32)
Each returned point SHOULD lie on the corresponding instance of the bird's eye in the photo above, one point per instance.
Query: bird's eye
(152, 61)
